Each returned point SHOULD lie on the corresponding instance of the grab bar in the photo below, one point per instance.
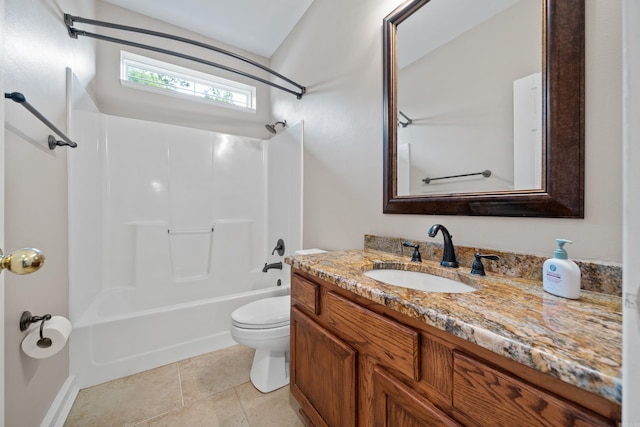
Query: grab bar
(193, 231)
(484, 173)
(53, 142)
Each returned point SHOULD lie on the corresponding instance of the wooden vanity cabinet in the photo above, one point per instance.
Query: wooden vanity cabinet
(395, 404)
(358, 363)
(492, 397)
(323, 373)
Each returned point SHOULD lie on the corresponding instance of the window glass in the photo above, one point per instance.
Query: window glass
(150, 74)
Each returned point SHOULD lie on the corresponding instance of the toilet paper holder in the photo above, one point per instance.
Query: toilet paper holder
(26, 319)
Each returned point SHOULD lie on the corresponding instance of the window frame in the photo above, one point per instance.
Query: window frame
(195, 77)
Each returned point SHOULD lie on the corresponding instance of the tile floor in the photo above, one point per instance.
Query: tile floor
(208, 390)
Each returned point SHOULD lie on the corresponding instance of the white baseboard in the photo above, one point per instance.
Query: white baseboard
(61, 406)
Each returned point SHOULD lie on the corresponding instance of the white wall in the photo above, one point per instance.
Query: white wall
(341, 65)
(37, 52)
(631, 279)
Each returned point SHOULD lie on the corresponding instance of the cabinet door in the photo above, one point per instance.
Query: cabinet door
(495, 398)
(323, 373)
(397, 405)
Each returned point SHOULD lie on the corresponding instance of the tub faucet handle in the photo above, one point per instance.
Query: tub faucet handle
(279, 248)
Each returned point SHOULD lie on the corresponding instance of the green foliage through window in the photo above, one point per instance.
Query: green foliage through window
(150, 78)
(152, 75)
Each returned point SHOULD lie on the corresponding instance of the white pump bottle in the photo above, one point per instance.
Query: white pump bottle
(560, 275)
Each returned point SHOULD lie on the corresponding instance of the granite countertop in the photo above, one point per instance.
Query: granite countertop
(576, 341)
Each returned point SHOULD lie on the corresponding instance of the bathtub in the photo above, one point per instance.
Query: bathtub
(161, 327)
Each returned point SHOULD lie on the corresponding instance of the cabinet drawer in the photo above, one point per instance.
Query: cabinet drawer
(305, 294)
(390, 343)
(494, 398)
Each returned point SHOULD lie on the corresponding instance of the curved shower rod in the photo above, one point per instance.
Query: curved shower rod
(74, 33)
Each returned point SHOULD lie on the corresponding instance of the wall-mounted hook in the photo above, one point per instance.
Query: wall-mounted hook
(22, 261)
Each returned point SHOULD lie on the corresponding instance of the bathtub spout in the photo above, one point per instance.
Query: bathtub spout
(268, 267)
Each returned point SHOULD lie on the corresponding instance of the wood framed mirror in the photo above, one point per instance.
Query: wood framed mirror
(559, 191)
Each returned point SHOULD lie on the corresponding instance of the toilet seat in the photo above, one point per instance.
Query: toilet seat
(267, 313)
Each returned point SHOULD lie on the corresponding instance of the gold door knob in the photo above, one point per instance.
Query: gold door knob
(22, 261)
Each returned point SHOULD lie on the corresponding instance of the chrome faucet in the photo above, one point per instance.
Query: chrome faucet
(448, 252)
(267, 267)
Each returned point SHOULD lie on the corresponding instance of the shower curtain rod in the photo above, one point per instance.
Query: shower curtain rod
(74, 33)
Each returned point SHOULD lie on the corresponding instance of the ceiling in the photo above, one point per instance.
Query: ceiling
(439, 22)
(257, 26)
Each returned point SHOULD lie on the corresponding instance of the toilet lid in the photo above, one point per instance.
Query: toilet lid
(265, 313)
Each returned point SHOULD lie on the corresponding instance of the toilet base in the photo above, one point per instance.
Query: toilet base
(270, 370)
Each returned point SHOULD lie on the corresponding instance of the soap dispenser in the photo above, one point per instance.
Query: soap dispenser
(560, 275)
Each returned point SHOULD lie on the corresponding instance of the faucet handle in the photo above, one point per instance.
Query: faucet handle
(478, 267)
(279, 248)
(415, 257)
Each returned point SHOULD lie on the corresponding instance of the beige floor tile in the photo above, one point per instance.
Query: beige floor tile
(215, 389)
(211, 373)
(127, 400)
(220, 410)
(268, 410)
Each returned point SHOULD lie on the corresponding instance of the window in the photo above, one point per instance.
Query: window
(150, 74)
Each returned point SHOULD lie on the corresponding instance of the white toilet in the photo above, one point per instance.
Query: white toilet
(264, 325)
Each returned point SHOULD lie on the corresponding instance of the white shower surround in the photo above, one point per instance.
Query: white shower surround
(168, 235)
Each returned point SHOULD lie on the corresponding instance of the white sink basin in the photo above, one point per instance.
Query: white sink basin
(418, 280)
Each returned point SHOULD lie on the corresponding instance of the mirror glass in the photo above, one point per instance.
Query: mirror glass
(469, 97)
(484, 108)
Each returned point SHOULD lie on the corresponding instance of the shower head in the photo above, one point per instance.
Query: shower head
(272, 128)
